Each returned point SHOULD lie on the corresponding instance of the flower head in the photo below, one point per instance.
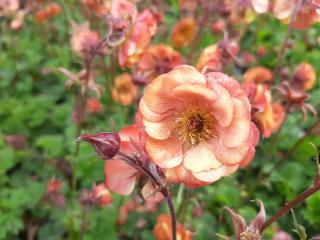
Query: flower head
(257, 75)
(158, 59)
(83, 40)
(307, 14)
(199, 127)
(244, 231)
(124, 92)
(162, 230)
(305, 76)
(120, 176)
(8, 7)
(184, 32)
(267, 115)
(138, 38)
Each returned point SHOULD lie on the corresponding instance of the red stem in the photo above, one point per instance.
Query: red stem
(298, 200)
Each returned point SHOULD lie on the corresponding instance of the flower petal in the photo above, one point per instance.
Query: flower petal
(166, 154)
(201, 158)
(238, 130)
(120, 177)
(216, 174)
(159, 130)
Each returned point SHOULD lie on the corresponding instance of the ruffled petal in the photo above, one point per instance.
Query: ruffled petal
(228, 155)
(238, 130)
(200, 158)
(166, 154)
(216, 174)
(160, 130)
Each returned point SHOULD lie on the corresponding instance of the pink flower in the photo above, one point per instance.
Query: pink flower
(267, 115)
(120, 176)
(138, 39)
(158, 59)
(305, 76)
(198, 127)
(83, 40)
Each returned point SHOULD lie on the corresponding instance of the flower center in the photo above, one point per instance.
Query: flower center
(250, 234)
(195, 125)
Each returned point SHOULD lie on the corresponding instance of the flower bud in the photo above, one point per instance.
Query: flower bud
(107, 144)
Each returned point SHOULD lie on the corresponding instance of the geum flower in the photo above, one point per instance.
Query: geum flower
(124, 91)
(244, 231)
(162, 230)
(136, 41)
(184, 32)
(304, 77)
(266, 114)
(157, 59)
(198, 126)
(307, 14)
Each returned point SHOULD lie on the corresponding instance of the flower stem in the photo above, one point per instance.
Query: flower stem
(301, 198)
(169, 201)
(285, 43)
(84, 220)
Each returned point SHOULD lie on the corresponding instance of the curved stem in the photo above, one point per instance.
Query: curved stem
(167, 195)
(301, 198)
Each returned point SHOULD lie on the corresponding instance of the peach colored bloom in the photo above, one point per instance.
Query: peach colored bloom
(305, 76)
(120, 176)
(184, 32)
(215, 56)
(83, 40)
(94, 105)
(258, 75)
(101, 195)
(138, 38)
(307, 15)
(162, 230)
(199, 127)
(267, 115)
(158, 59)
(124, 91)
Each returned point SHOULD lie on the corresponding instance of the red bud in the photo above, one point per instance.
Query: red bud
(107, 144)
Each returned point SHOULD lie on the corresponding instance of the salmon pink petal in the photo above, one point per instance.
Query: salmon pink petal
(120, 177)
(149, 115)
(222, 106)
(160, 130)
(128, 133)
(237, 132)
(248, 158)
(200, 158)
(166, 154)
(188, 74)
(216, 174)
(227, 155)
(195, 93)
(158, 97)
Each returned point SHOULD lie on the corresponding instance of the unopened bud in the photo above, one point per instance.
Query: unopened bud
(107, 144)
